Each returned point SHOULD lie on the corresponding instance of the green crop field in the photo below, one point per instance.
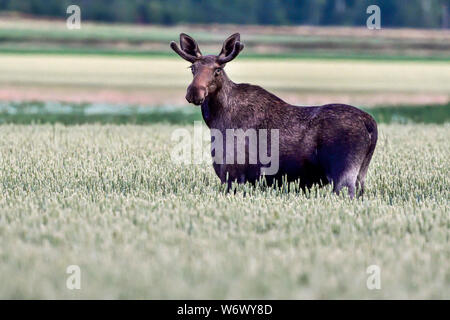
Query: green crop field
(109, 199)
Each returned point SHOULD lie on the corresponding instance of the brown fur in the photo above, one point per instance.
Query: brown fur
(332, 143)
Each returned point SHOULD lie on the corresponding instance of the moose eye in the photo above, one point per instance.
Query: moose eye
(217, 71)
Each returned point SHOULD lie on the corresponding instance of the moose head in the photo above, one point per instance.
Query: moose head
(207, 70)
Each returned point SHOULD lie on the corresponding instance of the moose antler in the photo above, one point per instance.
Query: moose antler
(236, 49)
(182, 53)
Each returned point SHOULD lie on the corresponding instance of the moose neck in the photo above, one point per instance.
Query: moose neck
(219, 102)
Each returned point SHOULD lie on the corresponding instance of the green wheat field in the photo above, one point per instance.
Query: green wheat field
(87, 179)
(109, 199)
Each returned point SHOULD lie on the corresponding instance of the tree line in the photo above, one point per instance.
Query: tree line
(394, 13)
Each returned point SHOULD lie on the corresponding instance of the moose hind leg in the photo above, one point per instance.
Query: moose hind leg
(363, 171)
(360, 179)
(347, 179)
(360, 186)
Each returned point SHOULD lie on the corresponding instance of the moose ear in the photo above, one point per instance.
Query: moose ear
(229, 44)
(189, 45)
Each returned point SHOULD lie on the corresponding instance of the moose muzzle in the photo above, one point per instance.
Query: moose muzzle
(196, 94)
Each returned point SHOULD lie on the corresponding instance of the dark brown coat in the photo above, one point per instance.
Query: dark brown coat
(332, 143)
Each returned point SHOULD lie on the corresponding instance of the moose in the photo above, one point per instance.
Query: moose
(332, 143)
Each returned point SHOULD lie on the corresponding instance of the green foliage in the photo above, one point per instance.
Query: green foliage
(409, 114)
(71, 114)
(399, 13)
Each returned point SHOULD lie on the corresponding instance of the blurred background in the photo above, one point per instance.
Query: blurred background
(119, 68)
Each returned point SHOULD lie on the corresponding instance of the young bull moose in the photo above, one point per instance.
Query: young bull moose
(333, 143)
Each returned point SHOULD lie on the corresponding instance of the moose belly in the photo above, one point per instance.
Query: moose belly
(239, 173)
(290, 170)
(283, 165)
(306, 172)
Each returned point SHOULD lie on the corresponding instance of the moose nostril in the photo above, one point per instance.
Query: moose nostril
(202, 93)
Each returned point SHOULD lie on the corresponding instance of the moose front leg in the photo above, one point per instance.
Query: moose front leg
(230, 173)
